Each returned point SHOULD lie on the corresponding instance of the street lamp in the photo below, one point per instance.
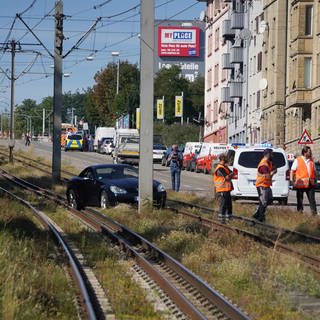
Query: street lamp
(116, 54)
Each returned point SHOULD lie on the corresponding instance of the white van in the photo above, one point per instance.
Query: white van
(101, 134)
(244, 161)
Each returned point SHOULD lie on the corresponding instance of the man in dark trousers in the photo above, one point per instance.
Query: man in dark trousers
(175, 162)
(222, 181)
(302, 176)
(265, 173)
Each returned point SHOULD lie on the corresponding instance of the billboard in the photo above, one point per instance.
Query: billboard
(178, 41)
(176, 35)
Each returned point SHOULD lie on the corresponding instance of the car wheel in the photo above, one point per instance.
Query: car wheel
(73, 200)
(65, 149)
(104, 200)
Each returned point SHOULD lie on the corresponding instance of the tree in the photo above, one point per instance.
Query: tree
(110, 105)
(169, 83)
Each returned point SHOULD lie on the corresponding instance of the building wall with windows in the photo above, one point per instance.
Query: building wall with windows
(274, 59)
(215, 129)
(255, 63)
(303, 75)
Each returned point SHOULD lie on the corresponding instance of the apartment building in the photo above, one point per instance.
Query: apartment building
(302, 109)
(255, 80)
(215, 129)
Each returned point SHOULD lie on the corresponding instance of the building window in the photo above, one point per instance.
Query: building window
(215, 110)
(216, 39)
(308, 26)
(209, 79)
(258, 99)
(216, 75)
(259, 63)
(307, 72)
(210, 44)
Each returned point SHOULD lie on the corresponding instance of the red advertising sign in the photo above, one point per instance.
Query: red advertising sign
(178, 42)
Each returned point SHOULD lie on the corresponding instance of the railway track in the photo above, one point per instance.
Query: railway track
(312, 262)
(88, 302)
(192, 296)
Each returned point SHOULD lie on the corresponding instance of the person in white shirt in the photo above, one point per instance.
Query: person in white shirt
(302, 176)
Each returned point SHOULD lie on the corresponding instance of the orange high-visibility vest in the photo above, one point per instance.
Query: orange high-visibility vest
(302, 176)
(264, 180)
(220, 183)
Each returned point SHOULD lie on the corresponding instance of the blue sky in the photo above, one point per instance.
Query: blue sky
(115, 32)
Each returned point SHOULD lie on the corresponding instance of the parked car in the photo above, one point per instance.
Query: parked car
(73, 142)
(106, 185)
(106, 146)
(158, 151)
(244, 162)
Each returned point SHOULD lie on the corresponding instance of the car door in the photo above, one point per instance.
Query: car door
(90, 187)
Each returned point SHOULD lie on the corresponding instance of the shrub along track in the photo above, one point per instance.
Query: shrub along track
(87, 301)
(193, 297)
(277, 233)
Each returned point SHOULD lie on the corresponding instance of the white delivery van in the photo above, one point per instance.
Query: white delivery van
(101, 134)
(243, 161)
(190, 150)
(126, 146)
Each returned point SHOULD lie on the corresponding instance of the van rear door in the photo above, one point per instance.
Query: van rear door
(247, 171)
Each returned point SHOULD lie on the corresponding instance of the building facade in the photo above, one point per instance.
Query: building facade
(215, 129)
(303, 75)
(255, 63)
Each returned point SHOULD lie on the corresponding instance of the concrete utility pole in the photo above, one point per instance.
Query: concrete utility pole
(11, 137)
(146, 103)
(43, 121)
(57, 92)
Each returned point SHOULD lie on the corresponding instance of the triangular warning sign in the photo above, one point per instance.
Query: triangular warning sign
(305, 138)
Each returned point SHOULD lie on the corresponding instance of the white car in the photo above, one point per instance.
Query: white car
(158, 151)
(107, 146)
(243, 161)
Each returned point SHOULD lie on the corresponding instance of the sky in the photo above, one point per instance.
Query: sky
(117, 31)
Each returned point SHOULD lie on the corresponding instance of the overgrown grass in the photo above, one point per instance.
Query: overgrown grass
(126, 297)
(257, 278)
(32, 276)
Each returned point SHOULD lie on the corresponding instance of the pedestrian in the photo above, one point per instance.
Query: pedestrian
(175, 161)
(302, 176)
(222, 177)
(265, 172)
(90, 142)
(28, 139)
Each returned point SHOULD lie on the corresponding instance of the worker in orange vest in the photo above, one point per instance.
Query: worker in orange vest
(302, 176)
(222, 181)
(266, 171)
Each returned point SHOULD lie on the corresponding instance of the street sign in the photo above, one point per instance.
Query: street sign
(305, 138)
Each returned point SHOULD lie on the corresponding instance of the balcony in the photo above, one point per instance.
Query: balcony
(235, 89)
(225, 94)
(237, 20)
(236, 55)
(226, 30)
(225, 61)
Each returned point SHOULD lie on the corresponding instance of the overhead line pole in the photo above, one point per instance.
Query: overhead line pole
(57, 92)
(146, 103)
(11, 137)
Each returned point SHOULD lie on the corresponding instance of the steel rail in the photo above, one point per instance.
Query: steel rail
(279, 230)
(75, 265)
(129, 240)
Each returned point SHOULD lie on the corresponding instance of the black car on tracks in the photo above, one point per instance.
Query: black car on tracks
(106, 185)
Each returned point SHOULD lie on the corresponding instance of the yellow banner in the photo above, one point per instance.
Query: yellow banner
(160, 109)
(137, 118)
(179, 106)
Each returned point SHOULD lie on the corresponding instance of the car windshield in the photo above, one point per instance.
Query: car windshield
(116, 172)
(129, 140)
(159, 147)
(75, 137)
(251, 159)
